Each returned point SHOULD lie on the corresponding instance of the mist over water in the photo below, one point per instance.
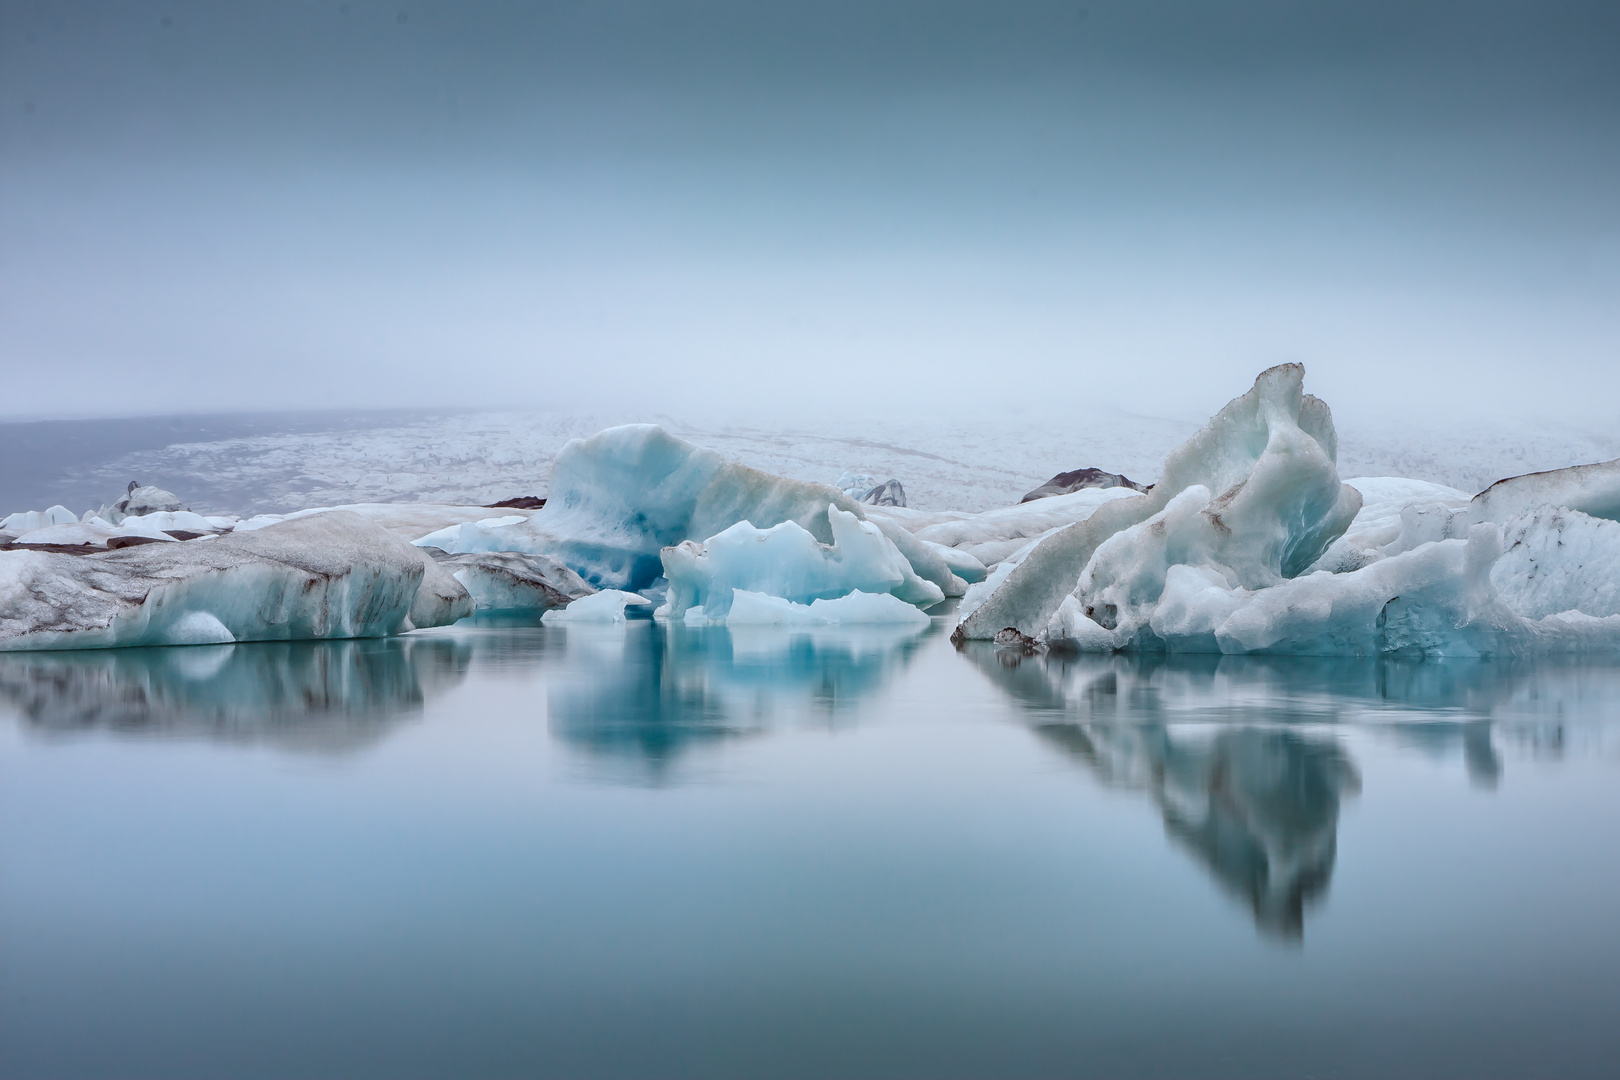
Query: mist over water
(801, 213)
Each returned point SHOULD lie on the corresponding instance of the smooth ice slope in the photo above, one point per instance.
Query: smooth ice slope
(621, 496)
(1272, 503)
(328, 576)
(1594, 490)
(786, 561)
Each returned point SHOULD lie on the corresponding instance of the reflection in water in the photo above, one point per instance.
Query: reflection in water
(1259, 808)
(1231, 751)
(674, 687)
(320, 696)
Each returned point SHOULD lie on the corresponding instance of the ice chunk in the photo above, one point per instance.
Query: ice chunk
(888, 493)
(441, 599)
(327, 576)
(931, 562)
(960, 563)
(1018, 524)
(468, 536)
(1396, 515)
(405, 520)
(1065, 483)
(139, 500)
(606, 606)
(1272, 503)
(1556, 560)
(1594, 490)
(27, 521)
(621, 496)
(855, 484)
(785, 560)
(858, 608)
(1439, 599)
(512, 581)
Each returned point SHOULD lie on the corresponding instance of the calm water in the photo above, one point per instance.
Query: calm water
(513, 850)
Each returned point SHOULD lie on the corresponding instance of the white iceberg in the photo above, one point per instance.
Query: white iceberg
(162, 525)
(27, 521)
(327, 576)
(787, 561)
(856, 609)
(1396, 515)
(1271, 504)
(1250, 544)
(606, 606)
(138, 501)
(1594, 490)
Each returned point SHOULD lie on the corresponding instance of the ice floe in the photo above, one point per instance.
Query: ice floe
(854, 609)
(606, 606)
(326, 576)
(787, 561)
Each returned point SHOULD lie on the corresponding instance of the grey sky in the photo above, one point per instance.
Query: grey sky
(865, 206)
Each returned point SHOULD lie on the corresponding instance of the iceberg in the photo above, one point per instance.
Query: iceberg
(1396, 515)
(787, 561)
(618, 498)
(606, 606)
(138, 501)
(1553, 590)
(95, 532)
(1271, 502)
(27, 521)
(888, 493)
(326, 576)
(513, 581)
(1594, 490)
(991, 536)
(1065, 483)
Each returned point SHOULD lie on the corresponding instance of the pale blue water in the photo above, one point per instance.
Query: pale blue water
(515, 850)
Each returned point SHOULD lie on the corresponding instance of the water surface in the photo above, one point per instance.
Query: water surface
(504, 849)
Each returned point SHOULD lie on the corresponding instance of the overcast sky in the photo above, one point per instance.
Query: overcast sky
(758, 207)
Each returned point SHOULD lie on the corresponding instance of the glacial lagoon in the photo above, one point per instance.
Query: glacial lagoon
(512, 849)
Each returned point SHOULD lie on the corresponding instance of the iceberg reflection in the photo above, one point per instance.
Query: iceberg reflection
(312, 696)
(675, 687)
(1235, 751)
(1259, 808)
